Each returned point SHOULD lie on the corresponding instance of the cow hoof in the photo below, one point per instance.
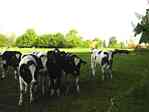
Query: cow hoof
(3, 77)
(20, 103)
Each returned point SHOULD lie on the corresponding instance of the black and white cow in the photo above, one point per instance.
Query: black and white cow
(10, 58)
(104, 59)
(71, 65)
(59, 64)
(44, 80)
(29, 73)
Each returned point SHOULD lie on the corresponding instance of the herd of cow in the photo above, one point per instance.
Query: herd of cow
(39, 71)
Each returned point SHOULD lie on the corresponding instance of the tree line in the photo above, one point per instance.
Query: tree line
(71, 39)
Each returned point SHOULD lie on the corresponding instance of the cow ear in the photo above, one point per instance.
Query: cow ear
(84, 62)
(76, 61)
(17, 56)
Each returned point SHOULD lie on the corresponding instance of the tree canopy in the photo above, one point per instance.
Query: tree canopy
(143, 27)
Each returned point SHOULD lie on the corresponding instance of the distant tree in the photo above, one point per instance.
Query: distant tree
(3, 41)
(58, 40)
(28, 39)
(73, 38)
(11, 40)
(85, 43)
(112, 42)
(98, 42)
(122, 45)
(104, 44)
(45, 40)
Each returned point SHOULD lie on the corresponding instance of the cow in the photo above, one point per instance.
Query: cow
(54, 71)
(43, 77)
(61, 64)
(10, 58)
(122, 51)
(29, 73)
(104, 59)
(71, 64)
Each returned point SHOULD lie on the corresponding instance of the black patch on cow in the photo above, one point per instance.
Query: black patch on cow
(107, 54)
(39, 62)
(105, 61)
(11, 59)
(99, 52)
(25, 73)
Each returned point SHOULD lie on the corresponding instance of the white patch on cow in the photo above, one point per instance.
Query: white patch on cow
(15, 74)
(43, 60)
(77, 84)
(17, 56)
(3, 62)
(78, 88)
(31, 93)
(76, 60)
(32, 69)
(27, 58)
(3, 75)
(23, 88)
(77, 80)
(55, 81)
(110, 55)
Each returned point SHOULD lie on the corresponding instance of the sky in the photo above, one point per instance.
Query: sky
(91, 18)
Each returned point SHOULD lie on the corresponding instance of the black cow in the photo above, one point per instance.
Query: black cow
(10, 58)
(54, 70)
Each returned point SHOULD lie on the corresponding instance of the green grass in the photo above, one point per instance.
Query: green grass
(128, 88)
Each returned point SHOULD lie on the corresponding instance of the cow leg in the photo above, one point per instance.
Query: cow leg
(3, 70)
(43, 85)
(48, 82)
(58, 86)
(93, 68)
(21, 91)
(77, 84)
(3, 73)
(110, 73)
(31, 92)
(15, 74)
(52, 87)
(103, 72)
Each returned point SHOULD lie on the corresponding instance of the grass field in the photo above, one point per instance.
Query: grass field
(128, 89)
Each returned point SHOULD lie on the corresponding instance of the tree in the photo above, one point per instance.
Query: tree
(59, 40)
(143, 27)
(28, 39)
(112, 42)
(11, 39)
(104, 44)
(73, 39)
(3, 40)
(44, 40)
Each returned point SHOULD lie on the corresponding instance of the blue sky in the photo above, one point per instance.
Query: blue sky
(92, 18)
